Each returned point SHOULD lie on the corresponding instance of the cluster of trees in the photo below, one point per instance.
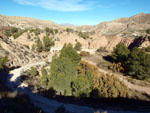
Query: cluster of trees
(136, 62)
(51, 31)
(84, 35)
(71, 76)
(69, 30)
(46, 45)
(15, 32)
(35, 31)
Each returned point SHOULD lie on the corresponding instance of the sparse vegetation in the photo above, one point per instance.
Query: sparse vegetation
(84, 35)
(15, 32)
(84, 53)
(33, 71)
(39, 45)
(48, 42)
(78, 46)
(50, 31)
(148, 31)
(69, 30)
(35, 31)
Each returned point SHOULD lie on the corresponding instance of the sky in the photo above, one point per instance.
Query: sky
(77, 12)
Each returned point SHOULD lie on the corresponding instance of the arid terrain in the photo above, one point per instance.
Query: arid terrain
(36, 48)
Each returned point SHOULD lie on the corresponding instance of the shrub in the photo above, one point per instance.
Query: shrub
(49, 31)
(108, 86)
(147, 49)
(84, 53)
(39, 45)
(117, 67)
(81, 87)
(56, 31)
(14, 30)
(78, 46)
(35, 31)
(8, 33)
(69, 30)
(33, 71)
(48, 42)
(84, 35)
(17, 34)
(148, 31)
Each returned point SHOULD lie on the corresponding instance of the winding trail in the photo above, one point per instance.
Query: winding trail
(48, 105)
(138, 88)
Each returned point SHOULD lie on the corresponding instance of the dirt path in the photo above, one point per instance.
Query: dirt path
(142, 89)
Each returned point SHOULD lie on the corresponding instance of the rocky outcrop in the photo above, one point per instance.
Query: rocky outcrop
(141, 41)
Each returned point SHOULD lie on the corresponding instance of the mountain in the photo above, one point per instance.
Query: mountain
(25, 22)
(130, 26)
(134, 25)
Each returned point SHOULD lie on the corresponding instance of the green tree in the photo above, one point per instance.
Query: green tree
(62, 74)
(39, 45)
(120, 53)
(78, 46)
(81, 87)
(138, 64)
(43, 81)
(48, 42)
(69, 52)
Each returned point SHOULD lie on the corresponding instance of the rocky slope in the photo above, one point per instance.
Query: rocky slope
(25, 22)
(132, 26)
(106, 35)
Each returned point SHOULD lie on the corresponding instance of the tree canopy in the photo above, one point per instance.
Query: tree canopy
(120, 53)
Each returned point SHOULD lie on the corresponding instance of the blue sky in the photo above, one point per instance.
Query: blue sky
(77, 12)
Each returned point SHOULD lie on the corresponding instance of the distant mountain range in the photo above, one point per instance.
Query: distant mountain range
(121, 26)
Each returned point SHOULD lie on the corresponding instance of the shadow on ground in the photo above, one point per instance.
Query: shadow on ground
(123, 104)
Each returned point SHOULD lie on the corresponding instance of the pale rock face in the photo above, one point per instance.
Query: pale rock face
(88, 44)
